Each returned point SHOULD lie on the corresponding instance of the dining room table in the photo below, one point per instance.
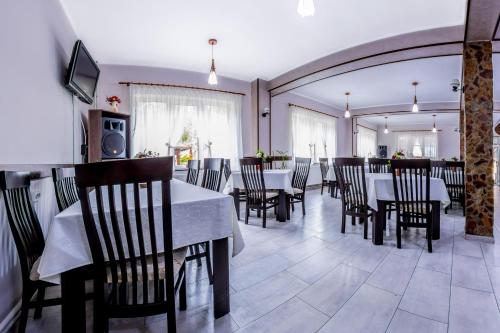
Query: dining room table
(380, 192)
(198, 215)
(274, 179)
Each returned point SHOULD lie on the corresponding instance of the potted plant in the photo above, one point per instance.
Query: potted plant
(113, 101)
(146, 154)
(398, 155)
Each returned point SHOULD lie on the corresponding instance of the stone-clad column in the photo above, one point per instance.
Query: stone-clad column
(478, 106)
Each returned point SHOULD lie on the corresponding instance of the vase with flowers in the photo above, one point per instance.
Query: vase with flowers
(113, 101)
(398, 155)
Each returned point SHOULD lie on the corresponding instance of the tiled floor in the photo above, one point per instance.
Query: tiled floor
(305, 276)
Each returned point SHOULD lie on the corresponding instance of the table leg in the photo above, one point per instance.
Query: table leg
(378, 224)
(221, 277)
(436, 220)
(281, 206)
(73, 301)
(236, 197)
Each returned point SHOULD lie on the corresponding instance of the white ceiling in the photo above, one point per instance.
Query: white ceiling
(257, 38)
(449, 119)
(390, 84)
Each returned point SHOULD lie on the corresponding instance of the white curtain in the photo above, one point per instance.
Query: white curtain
(167, 115)
(366, 142)
(313, 134)
(417, 143)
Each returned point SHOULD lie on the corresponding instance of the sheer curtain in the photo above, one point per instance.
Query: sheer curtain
(366, 142)
(417, 143)
(170, 115)
(313, 134)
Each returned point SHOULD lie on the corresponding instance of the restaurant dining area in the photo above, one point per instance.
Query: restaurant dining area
(285, 166)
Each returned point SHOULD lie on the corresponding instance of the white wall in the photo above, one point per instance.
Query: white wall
(448, 140)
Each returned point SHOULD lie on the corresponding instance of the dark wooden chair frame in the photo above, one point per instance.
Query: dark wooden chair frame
(412, 194)
(299, 181)
(252, 173)
(324, 168)
(120, 299)
(350, 173)
(454, 179)
(29, 240)
(65, 189)
(382, 165)
(437, 169)
(193, 171)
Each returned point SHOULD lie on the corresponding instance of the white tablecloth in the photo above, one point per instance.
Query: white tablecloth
(198, 215)
(380, 187)
(330, 176)
(274, 180)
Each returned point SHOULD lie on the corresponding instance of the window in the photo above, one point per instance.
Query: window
(417, 143)
(186, 123)
(314, 134)
(366, 142)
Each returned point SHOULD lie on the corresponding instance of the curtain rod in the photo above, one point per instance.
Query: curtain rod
(404, 131)
(178, 86)
(303, 107)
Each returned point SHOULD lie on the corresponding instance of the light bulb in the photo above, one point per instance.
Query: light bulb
(415, 107)
(212, 78)
(347, 114)
(386, 131)
(306, 8)
(434, 129)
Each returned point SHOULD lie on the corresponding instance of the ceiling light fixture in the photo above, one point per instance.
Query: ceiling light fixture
(434, 129)
(386, 130)
(347, 113)
(415, 105)
(212, 77)
(306, 8)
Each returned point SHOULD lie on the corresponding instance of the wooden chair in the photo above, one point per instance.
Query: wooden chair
(379, 165)
(350, 173)
(135, 264)
(252, 172)
(437, 169)
(324, 167)
(454, 179)
(299, 182)
(227, 169)
(29, 241)
(412, 194)
(65, 189)
(193, 172)
(212, 176)
(334, 184)
(268, 165)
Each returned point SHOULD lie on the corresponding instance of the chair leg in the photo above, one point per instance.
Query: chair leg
(264, 216)
(398, 235)
(39, 298)
(182, 291)
(293, 207)
(446, 209)
(288, 208)
(353, 220)
(23, 319)
(258, 213)
(171, 320)
(322, 188)
(209, 263)
(342, 230)
(365, 227)
(197, 252)
(247, 212)
(303, 205)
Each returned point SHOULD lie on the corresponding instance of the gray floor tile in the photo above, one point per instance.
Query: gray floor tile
(473, 311)
(316, 266)
(439, 260)
(428, 295)
(330, 292)
(467, 248)
(369, 310)
(393, 274)
(294, 316)
(470, 272)
(405, 322)
(491, 253)
(368, 257)
(304, 249)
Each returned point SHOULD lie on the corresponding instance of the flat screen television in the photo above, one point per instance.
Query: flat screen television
(83, 74)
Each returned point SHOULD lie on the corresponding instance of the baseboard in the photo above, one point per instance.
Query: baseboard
(483, 239)
(9, 320)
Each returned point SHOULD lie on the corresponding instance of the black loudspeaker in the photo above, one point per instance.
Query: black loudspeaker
(114, 138)
(382, 151)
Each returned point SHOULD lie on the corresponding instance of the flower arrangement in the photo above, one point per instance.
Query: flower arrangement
(398, 155)
(260, 154)
(146, 154)
(113, 101)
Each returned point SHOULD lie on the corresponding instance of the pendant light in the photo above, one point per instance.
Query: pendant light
(415, 105)
(347, 113)
(212, 77)
(386, 130)
(306, 8)
(434, 129)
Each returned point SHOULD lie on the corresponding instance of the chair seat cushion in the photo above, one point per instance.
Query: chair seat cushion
(297, 191)
(34, 275)
(179, 257)
(270, 195)
(415, 208)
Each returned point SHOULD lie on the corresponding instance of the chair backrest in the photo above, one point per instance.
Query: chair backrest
(323, 165)
(227, 169)
(350, 174)
(22, 218)
(437, 169)
(379, 165)
(412, 188)
(268, 165)
(252, 172)
(212, 173)
(124, 239)
(454, 178)
(193, 172)
(301, 173)
(65, 188)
